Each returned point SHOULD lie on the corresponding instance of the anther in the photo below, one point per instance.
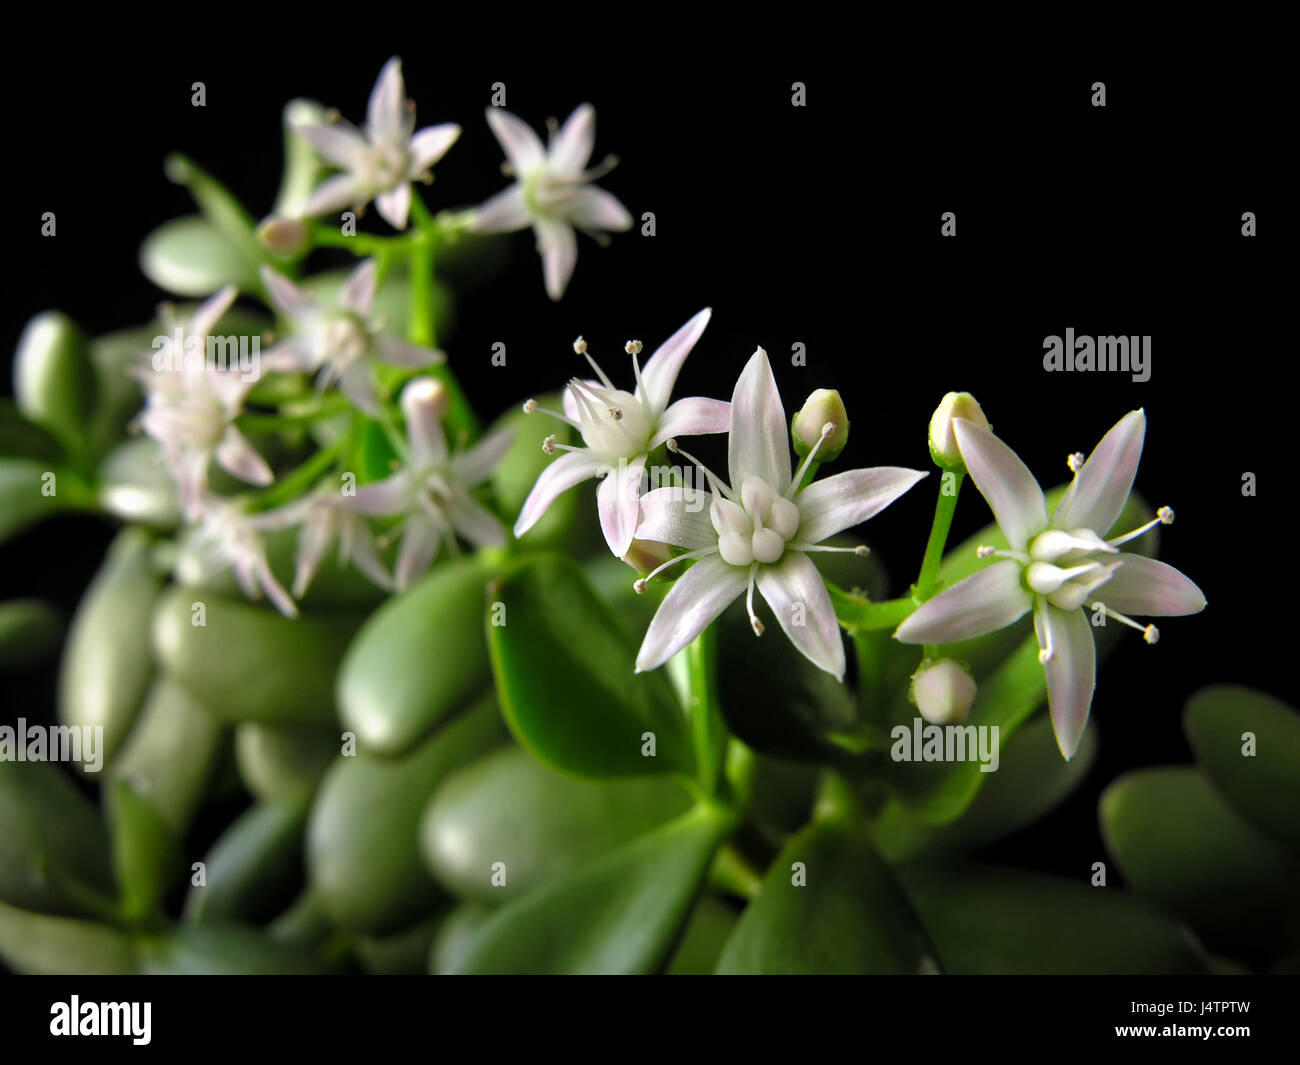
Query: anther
(580, 346)
(1151, 634)
(1166, 515)
(639, 586)
(985, 550)
(633, 347)
(1075, 461)
(548, 445)
(615, 413)
(530, 406)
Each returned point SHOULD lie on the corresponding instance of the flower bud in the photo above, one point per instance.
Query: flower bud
(824, 407)
(943, 442)
(645, 555)
(283, 237)
(943, 692)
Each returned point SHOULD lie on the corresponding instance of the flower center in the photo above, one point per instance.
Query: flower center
(756, 530)
(388, 163)
(342, 338)
(612, 422)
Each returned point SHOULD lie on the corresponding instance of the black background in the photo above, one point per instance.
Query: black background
(817, 225)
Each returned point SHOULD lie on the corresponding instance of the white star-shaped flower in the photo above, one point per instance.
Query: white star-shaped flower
(379, 161)
(759, 531)
(227, 537)
(1056, 566)
(620, 429)
(553, 191)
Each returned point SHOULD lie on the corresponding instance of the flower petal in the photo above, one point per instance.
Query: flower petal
(522, 146)
(796, 592)
(1100, 489)
(1071, 671)
(474, 522)
(985, 601)
(559, 248)
(289, 299)
(337, 144)
(618, 502)
(210, 312)
(358, 292)
(759, 443)
(595, 208)
(693, 416)
(699, 596)
(422, 403)
(661, 369)
(1149, 588)
(573, 467)
(677, 515)
(357, 384)
(365, 557)
(836, 503)
(503, 213)
(238, 458)
(420, 542)
(394, 206)
(430, 145)
(478, 463)
(571, 146)
(1004, 481)
(398, 352)
(386, 110)
(340, 191)
(383, 498)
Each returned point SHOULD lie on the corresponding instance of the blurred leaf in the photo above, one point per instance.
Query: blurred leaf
(106, 667)
(135, 485)
(23, 498)
(302, 166)
(565, 671)
(507, 807)
(54, 383)
(189, 256)
(21, 438)
(29, 632)
(620, 914)
(363, 854)
(524, 462)
(1180, 845)
(986, 920)
(404, 953)
(146, 852)
(278, 762)
(39, 944)
(711, 924)
(214, 949)
(417, 659)
(1263, 787)
(455, 936)
(222, 211)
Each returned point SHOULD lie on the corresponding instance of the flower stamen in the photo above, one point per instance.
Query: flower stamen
(715, 482)
(639, 585)
(1164, 516)
(749, 602)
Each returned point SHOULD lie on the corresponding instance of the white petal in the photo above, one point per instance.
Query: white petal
(478, 463)
(836, 503)
(618, 502)
(985, 601)
(571, 146)
(1071, 671)
(387, 497)
(503, 213)
(340, 191)
(1149, 588)
(366, 558)
(595, 208)
(394, 206)
(759, 443)
(357, 384)
(397, 352)
(237, 457)
(573, 467)
(1102, 486)
(337, 144)
(430, 145)
(559, 247)
(422, 406)
(661, 369)
(699, 596)
(569, 402)
(275, 591)
(678, 516)
(420, 542)
(797, 595)
(475, 523)
(693, 416)
(289, 299)
(313, 541)
(358, 292)
(522, 146)
(210, 312)
(1004, 481)
(386, 111)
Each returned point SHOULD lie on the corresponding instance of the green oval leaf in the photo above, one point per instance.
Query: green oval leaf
(134, 484)
(278, 762)
(21, 438)
(38, 944)
(54, 383)
(565, 671)
(32, 491)
(29, 631)
(404, 953)
(146, 852)
(455, 936)
(221, 950)
(189, 256)
(707, 932)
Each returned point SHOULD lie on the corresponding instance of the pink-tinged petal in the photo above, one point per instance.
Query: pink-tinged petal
(836, 503)
(339, 192)
(289, 299)
(475, 523)
(759, 442)
(661, 369)
(1148, 588)
(313, 542)
(797, 595)
(618, 500)
(571, 146)
(394, 206)
(478, 463)
(338, 144)
(571, 468)
(394, 351)
(383, 498)
(559, 248)
(986, 601)
(420, 542)
(595, 208)
(423, 402)
(363, 554)
(1100, 489)
(569, 402)
(358, 292)
(430, 145)
(386, 110)
(1005, 482)
(290, 356)
(522, 146)
(694, 416)
(275, 591)
(238, 458)
(357, 384)
(1071, 671)
(678, 516)
(503, 213)
(210, 312)
(699, 596)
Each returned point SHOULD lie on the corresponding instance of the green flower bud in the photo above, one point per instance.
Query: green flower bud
(943, 443)
(943, 691)
(823, 407)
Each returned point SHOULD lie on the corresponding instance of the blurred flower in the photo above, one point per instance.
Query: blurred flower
(227, 537)
(552, 191)
(380, 160)
(943, 692)
(433, 491)
(323, 517)
(761, 534)
(1057, 566)
(191, 403)
(619, 430)
(341, 339)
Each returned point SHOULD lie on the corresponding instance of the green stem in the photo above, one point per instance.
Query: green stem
(857, 613)
(360, 244)
(707, 728)
(928, 581)
(298, 480)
